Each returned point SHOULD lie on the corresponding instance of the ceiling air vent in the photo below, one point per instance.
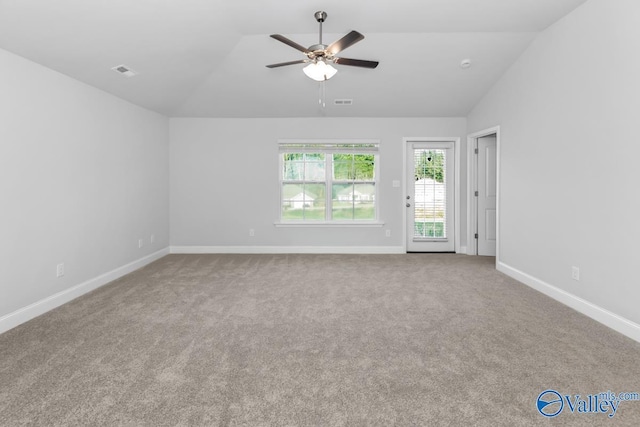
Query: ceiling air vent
(343, 101)
(124, 70)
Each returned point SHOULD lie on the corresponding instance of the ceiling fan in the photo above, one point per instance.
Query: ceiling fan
(319, 56)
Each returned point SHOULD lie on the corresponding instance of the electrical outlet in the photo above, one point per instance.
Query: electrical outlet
(140, 243)
(152, 238)
(252, 232)
(387, 233)
(60, 270)
(575, 273)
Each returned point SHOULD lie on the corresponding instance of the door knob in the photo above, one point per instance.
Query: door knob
(408, 197)
(408, 205)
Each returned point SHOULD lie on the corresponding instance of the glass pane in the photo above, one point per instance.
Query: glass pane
(364, 210)
(364, 167)
(314, 167)
(430, 195)
(343, 167)
(314, 171)
(349, 167)
(353, 201)
(364, 192)
(303, 202)
(293, 167)
(342, 201)
(303, 167)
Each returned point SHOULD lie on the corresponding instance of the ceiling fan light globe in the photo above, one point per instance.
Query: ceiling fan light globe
(319, 71)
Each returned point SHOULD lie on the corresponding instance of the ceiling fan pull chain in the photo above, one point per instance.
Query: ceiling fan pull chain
(323, 93)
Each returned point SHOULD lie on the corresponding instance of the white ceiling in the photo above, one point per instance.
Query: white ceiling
(206, 58)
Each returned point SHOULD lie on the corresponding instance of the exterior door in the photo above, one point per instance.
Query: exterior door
(430, 197)
(487, 195)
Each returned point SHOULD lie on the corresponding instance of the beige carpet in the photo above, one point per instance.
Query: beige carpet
(312, 340)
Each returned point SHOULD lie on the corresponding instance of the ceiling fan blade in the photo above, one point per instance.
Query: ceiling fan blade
(350, 39)
(291, 43)
(282, 64)
(356, 62)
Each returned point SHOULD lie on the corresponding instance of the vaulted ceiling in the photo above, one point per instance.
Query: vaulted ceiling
(206, 58)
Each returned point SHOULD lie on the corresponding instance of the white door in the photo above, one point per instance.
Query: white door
(486, 195)
(430, 196)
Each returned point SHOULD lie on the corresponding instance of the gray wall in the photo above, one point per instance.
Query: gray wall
(83, 176)
(224, 179)
(568, 111)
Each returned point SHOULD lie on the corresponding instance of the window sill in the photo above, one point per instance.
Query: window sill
(328, 224)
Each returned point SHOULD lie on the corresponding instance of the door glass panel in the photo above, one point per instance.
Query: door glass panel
(430, 204)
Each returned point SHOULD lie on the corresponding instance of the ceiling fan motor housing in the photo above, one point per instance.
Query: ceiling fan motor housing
(318, 51)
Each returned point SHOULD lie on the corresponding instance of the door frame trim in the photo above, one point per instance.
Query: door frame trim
(456, 188)
(472, 184)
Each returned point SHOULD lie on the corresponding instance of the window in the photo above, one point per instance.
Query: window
(328, 182)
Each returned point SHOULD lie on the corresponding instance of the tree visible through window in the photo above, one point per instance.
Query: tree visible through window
(328, 182)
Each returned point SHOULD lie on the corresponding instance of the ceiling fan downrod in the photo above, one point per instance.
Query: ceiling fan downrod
(320, 17)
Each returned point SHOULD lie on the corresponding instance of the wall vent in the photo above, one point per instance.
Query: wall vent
(343, 101)
(124, 70)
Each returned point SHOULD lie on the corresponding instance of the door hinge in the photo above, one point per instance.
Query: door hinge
(475, 151)
(476, 235)
(476, 193)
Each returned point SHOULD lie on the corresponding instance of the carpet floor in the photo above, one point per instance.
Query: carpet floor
(312, 340)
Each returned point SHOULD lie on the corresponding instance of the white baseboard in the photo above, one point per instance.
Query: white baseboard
(287, 250)
(27, 313)
(599, 314)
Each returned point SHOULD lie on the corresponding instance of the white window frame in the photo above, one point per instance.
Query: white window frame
(329, 147)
